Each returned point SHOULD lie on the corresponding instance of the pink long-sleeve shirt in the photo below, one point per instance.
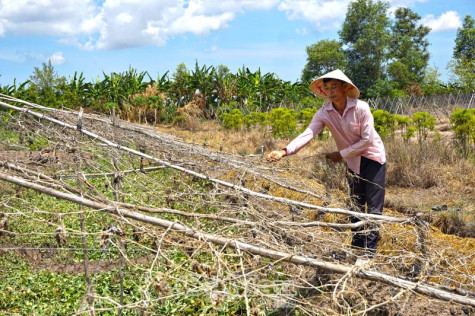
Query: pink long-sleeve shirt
(353, 132)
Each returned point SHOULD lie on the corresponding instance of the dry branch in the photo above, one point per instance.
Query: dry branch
(94, 136)
(109, 174)
(56, 183)
(256, 250)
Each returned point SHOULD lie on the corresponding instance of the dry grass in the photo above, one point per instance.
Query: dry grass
(426, 164)
(211, 134)
(420, 175)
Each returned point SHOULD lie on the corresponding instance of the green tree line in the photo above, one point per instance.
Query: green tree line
(213, 89)
(389, 57)
(384, 57)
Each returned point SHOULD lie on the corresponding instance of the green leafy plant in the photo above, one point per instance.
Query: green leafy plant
(255, 119)
(108, 106)
(384, 123)
(463, 125)
(282, 121)
(179, 120)
(306, 115)
(155, 104)
(407, 128)
(232, 120)
(424, 122)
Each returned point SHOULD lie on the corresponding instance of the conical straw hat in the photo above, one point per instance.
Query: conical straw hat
(317, 84)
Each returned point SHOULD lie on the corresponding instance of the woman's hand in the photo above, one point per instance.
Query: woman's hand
(276, 155)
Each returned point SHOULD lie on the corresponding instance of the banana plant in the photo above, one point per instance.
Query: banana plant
(180, 90)
(20, 92)
(133, 82)
(226, 88)
(95, 94)
(203, 83)
(163, 83)
(77, 90)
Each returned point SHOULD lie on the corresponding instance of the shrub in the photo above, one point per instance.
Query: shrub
(463, 125)
(109, 106)
(282, 121)
(424, 122)
(232, 120)
(140, 101)
(410, 132)
(407, 128)
(154, 101)
(306, 116)
(384, 123)
(255, 118)
(179, 120)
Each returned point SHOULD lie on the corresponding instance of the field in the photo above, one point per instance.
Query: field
(102, 216)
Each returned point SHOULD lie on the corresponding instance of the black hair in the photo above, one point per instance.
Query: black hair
(326, 80)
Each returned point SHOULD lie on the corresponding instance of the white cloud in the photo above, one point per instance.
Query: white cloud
(152, 22)
(322, 14)
(199, 24)
(148, 23)
(45, 17)
(116, 24)
(449, 20)
(57, 58)
(124, 18)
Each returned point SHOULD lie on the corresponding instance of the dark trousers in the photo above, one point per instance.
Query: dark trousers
(367, 195)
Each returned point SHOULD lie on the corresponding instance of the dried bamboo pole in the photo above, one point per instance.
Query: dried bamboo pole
(89, 296)
(238, 221)
(64, 186)
(115, 124)
(218, 181)
(163, 210)
(110, 174)
(256, 250)
(117, 185)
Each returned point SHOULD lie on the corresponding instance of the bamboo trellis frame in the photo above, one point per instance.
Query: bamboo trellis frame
(125, 210)
(446, 103)
(256, 250)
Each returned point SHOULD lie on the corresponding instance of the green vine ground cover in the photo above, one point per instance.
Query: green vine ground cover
(32, 282)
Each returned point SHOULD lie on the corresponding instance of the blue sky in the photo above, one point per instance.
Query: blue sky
(156, 35)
